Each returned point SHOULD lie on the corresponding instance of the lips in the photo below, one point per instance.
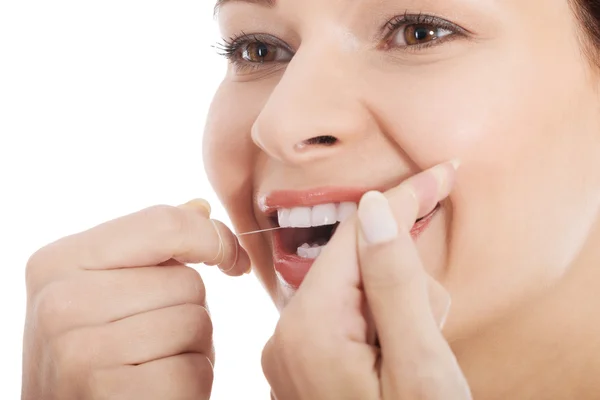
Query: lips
(310, 219)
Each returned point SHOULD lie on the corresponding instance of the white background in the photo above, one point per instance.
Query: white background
(102, 107)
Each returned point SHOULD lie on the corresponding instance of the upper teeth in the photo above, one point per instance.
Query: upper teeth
(322, 214)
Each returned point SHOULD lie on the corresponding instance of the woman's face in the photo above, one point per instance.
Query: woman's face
(324, 100)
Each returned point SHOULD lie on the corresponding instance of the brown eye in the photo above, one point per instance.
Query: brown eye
(419, 34)
(259, 52)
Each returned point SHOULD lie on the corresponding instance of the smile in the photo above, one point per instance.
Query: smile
(309, 220)
(309, 229)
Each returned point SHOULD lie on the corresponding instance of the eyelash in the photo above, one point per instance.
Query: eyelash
(393, 25)
(230, 48)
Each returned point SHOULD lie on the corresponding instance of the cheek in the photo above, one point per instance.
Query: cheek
(497, 110)
(229, 153)
(509, 119)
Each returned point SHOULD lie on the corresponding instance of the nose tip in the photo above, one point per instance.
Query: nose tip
(292, 143)
(313, 111)
(291, 152)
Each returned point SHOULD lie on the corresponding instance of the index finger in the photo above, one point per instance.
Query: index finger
(413, 348)
(151, 237)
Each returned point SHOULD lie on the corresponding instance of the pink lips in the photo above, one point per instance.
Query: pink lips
(292, 268)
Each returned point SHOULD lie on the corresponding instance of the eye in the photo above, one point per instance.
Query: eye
(259, 52)
(416, 31)
(255, 50)
(412, 35)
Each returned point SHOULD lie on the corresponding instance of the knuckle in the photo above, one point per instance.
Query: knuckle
(202, 366)
(174, 224)
(51, 306)
(190, 281)
(37, 265)
(194, 376)
(169, 218)
(35, 262)
(198, 320)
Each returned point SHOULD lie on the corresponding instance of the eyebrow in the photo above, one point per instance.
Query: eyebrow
(264, 3)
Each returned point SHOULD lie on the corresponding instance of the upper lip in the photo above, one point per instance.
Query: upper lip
(270, 203)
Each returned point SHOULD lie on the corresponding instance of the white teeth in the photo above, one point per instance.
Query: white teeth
(324, 214)
(300, 217)
(312, 252)
(345, 210)
(283, 215)
(319, 215)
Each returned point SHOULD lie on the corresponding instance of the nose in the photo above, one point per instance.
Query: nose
(314, 111)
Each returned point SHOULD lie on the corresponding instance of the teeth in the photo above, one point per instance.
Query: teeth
(319, 215)
(300, 217)
(324, 214)
(283, 216)
(309, 251)
(345, 210)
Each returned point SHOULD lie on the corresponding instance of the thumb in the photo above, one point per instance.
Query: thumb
(389, 260)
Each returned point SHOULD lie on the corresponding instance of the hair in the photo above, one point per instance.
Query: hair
(587, 13)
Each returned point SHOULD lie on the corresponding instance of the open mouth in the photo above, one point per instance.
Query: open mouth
(307, 230)
(309, 220)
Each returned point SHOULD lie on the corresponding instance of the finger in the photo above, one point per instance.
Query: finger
(148, 237)
(416, 360)
(326, 303)
(201, 206)
(233, 262)
(145, 337)
(413, 198)
(336, 268)
(106, 296)
(186, 376)
(418, 195)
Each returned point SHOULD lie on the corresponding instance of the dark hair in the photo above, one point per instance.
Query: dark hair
(588, 14)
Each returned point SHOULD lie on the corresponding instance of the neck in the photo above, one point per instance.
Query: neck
(550, 348)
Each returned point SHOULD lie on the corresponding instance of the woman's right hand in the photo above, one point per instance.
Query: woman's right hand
(114, 313)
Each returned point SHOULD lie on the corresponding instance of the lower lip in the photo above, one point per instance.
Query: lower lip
(292, 269)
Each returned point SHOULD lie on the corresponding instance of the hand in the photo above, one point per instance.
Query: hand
(369, 279)
(114, 312)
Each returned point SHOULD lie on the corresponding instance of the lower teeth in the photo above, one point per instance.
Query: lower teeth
(310, 251)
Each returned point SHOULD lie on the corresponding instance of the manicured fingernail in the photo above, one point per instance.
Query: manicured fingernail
(444, 177)
(455, 163)
(445, 314)
(199, 203)
(377, 221)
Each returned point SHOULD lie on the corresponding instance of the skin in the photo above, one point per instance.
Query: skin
(516, 243)
(324, 323)
(112, 308)
(515, 246)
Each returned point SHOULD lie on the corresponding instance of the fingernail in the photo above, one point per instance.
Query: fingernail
(455, 163)
(376, 219)
(444, 178)
(445, 315)
(249, 270)
(199, 203)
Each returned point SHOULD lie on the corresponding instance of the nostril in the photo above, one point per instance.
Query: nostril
(321, 140)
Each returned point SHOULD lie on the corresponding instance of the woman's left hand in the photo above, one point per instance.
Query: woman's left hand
(369, 279)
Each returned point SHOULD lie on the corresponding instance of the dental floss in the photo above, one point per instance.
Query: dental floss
(259, 231)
